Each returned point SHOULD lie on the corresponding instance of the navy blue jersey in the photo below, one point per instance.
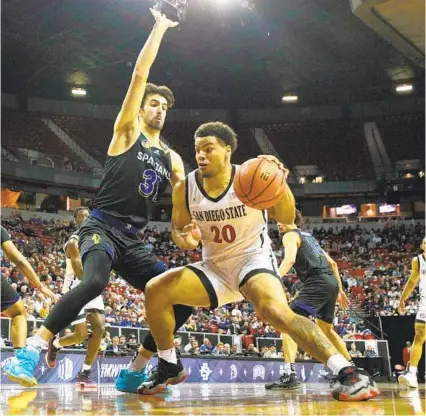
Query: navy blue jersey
(133, 182)
(310, 260)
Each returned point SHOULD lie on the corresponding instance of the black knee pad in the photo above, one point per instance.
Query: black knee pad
(96, 270)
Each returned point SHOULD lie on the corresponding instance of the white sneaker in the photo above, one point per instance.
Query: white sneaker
(409, 380)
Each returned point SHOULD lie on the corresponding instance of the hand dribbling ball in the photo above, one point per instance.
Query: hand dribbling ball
(259, 183)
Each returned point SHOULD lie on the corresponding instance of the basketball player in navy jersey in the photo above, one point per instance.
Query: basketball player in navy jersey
(137, 172)
(11, 304)
(321, 289)
(237, 262)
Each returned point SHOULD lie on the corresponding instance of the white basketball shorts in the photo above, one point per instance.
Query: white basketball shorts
(95, 305)
(223, 279)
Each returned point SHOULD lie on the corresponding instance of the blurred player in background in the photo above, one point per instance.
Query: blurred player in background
(92, 313)
(321, 289)
(237, 261)
(418, 277)
(11, 304)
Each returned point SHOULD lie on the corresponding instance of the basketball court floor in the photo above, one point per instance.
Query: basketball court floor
(205, 399)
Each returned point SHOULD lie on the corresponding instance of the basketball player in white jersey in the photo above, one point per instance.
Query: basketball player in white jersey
(418, 277)
(237, 263)
(93, 312)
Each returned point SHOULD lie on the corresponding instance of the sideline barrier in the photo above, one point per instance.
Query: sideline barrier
(200, 369)
(381, 363)
(214, 370)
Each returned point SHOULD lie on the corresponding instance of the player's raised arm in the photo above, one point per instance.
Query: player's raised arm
(127, 118)
(410, 285)
(185, 232)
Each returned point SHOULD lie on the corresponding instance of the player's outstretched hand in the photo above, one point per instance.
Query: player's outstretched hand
(401, 307)
(277, 162)
(47, 292)
(162, 20)
(343, 300)
(191, 235)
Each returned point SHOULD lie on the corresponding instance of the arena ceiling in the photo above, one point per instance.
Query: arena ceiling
(235, 53)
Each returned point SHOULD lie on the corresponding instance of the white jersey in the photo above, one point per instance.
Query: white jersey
(422, 280)
(70, 279)
(229, 229)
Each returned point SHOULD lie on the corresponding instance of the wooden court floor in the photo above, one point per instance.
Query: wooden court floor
(205, 399)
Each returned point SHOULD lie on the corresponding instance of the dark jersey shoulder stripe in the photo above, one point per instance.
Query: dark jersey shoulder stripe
(5, 236)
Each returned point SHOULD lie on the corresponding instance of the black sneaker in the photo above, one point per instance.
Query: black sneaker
(286, 381)
(51, 354)
(84, 380)
(353, 385)
(167, 373)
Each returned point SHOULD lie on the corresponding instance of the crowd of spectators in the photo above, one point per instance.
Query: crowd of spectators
(374, 266)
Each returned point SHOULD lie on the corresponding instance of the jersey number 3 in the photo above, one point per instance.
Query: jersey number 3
(150, 184)
(227, 234)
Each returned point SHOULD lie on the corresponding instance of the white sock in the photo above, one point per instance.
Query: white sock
(336, 362)
(287, 368)
(86, 367)
(413, 370)
(138, 363)
(168, 355)
(37, 342)
(56, 344)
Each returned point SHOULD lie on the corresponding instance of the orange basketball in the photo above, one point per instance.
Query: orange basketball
(259, 183)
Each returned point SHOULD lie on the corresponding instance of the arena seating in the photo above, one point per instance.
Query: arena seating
(27, 131)
(180, 137)
(247, 145)
(403, 136)
(92, 134)
(374, 266)
(338, 148)
(307, 143)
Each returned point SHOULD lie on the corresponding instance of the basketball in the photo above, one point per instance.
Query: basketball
(259, 183)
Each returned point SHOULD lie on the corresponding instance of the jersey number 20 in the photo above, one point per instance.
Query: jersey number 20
(227, 234)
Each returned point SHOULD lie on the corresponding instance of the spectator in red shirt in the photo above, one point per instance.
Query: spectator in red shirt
(406, 353)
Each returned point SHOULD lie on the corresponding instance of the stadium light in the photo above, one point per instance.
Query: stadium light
(78, 92)
(290, 98)
(404, 88)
